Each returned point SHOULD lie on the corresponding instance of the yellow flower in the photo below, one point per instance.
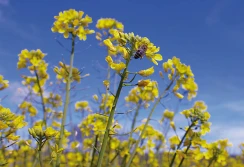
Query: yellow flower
(147, 72)
(109, 44)
(186, 113)
(168, 114)
(106, 83)
(205, 127)
(72, 22)
(3, 83)
(63, 73)
(109, 23)
(201, 105)
(109, 60)
(183, 76)
(95, 97)
(172, 124)
(174, 141)
(115, 66)
(152, 50)
(143, 83)
(81, 105)
(50, 132)
(178, 95)
(118, 66)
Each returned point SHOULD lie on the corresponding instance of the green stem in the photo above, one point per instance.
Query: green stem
(210, 162)
(25, 158)
(44, 110)
(35, 159)
(67, 99)
(182, 160)
(148, 119)
(42, 98)
(132, 130)
(114, 158)
(183, 138)
(111, 116)
(94, 150)
(40, 157)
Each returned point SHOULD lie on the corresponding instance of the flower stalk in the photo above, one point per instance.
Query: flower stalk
(132, 130)
(182, 160)
(183, 138)
(42, 99)
(67, 99)
(111, 116)
(148, 119)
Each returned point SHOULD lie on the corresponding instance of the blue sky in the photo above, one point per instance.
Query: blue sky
(208, 35)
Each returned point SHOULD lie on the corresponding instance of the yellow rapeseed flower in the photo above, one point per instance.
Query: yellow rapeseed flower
(72, 22)
(3, 83)
(109, 23)
(81, 105)
(147, 72)
(143, 83)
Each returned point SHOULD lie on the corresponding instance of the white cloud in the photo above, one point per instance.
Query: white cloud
(17, 92)
(232, 133)
(233, 106)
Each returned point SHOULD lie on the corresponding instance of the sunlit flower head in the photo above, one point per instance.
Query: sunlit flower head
(183, 76)
(72, 22)
(3, 83)
(109, 23)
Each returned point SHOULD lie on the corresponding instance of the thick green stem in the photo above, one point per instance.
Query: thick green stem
(182, 160)
(183, 138)
(111, 116)
(148, 119)
(67, 99)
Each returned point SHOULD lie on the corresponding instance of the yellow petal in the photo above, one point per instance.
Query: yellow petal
(158, 57)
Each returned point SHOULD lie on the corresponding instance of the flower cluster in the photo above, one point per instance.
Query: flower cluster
(40, 135)
(131, 43)
(108, 25)
(146, 91)
(28, 107)
(82, 105)
(3, 83)
(63, 73)
(10, 123)
(55, 100)
(198, 116)
(183, 76)
(95, 123)
(72, 22)
(34, 60)
(106, 102)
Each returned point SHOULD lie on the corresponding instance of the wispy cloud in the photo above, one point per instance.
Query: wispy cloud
(237, 106)
(230, 132)
(17, 92)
